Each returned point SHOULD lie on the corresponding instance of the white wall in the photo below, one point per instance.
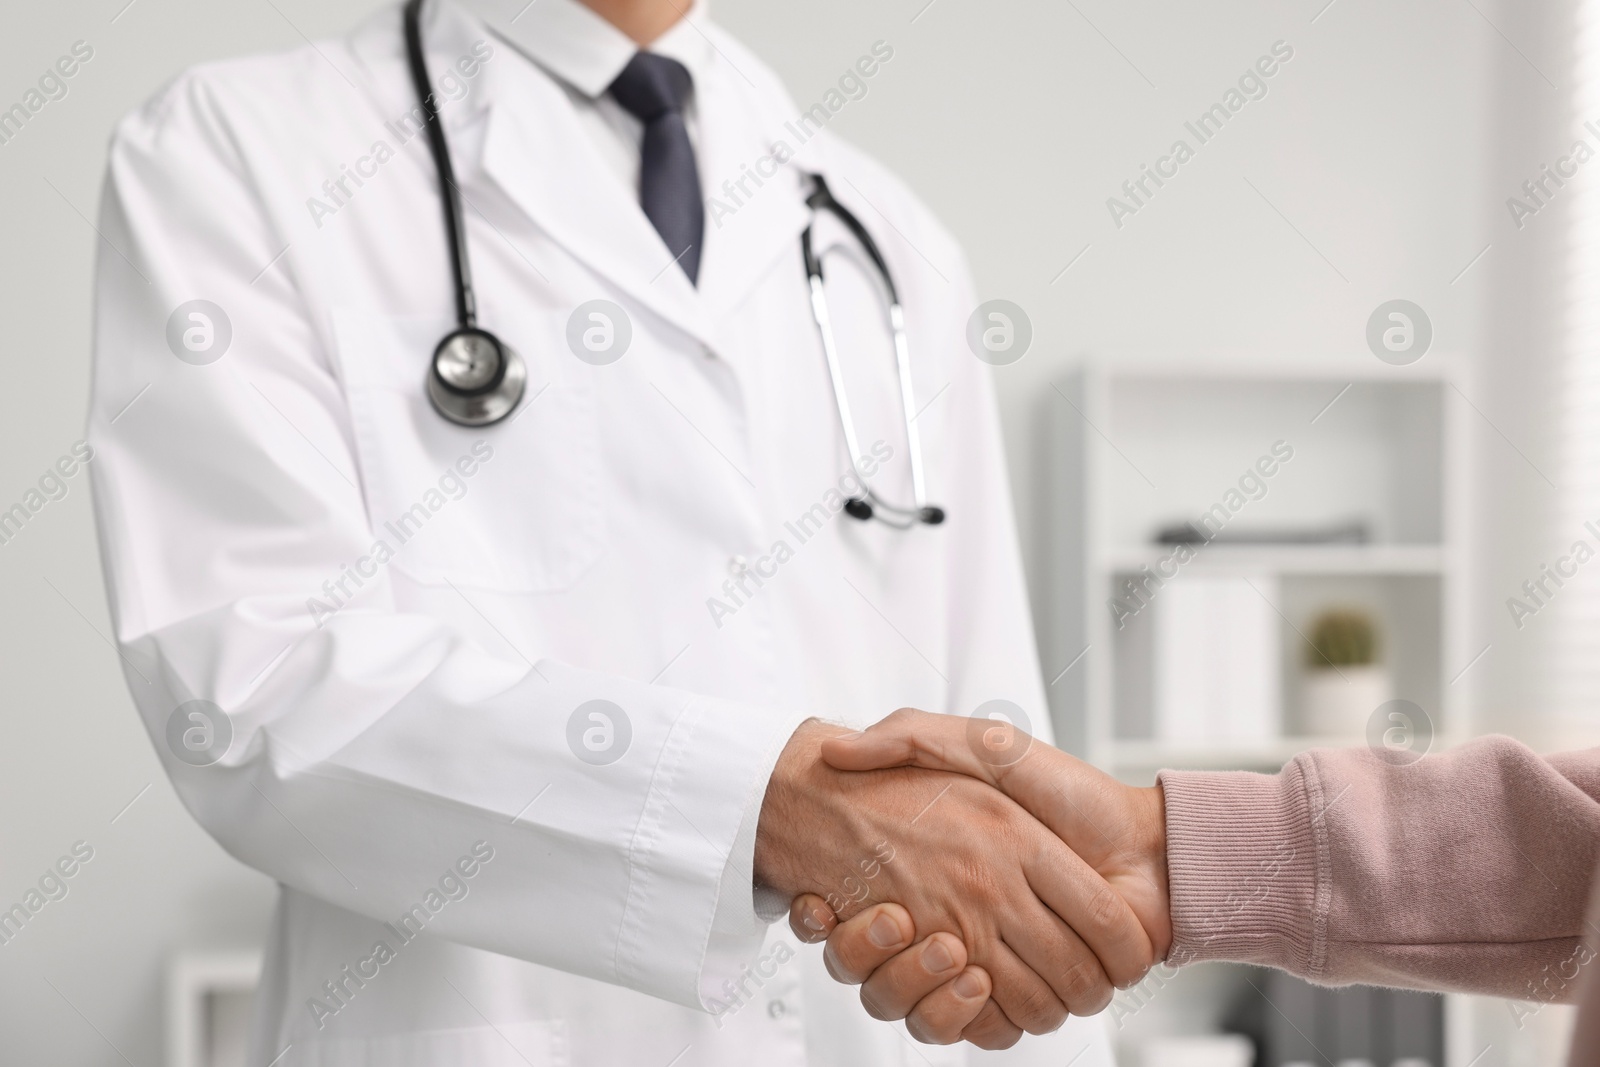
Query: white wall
(1017, 122)
(1388, 142)
(1521, 367)
(74, 752)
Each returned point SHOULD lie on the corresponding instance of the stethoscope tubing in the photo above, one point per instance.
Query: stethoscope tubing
(449, 192)
(471, 403)
(457, 385)
(896, 515)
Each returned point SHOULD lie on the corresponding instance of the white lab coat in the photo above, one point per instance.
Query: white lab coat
(397, 722)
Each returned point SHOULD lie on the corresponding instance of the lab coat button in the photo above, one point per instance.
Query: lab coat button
(776, 1009)
(737, 565)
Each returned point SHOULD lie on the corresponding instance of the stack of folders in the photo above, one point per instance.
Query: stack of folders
(1217, 648)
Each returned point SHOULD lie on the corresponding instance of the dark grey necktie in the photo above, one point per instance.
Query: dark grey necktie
(654, 89)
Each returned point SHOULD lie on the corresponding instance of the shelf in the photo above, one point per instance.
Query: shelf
(1146, 755)
(1266, 755)
(1287, 559)
(1442, 370)
(207, 999)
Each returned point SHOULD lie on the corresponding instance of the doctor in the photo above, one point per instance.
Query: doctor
(516, 689)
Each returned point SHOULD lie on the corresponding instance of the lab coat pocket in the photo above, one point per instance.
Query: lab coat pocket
(515, 506)
(539, 1043)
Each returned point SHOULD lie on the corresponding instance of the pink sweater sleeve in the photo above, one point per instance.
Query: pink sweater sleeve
(1467, 870)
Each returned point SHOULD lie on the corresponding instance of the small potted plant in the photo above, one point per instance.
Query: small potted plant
(1343, 681)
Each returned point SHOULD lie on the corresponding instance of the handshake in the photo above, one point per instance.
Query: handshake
(975, 882)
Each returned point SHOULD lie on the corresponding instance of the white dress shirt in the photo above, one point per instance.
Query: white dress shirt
(585, 53)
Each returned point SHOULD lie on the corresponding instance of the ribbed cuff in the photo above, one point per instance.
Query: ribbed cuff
(1246, 867)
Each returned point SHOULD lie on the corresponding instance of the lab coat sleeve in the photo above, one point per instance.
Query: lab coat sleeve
(359, 757)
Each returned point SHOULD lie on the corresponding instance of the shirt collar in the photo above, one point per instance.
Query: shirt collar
(582, 49)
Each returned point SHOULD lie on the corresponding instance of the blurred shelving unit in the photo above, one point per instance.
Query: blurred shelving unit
(1136, 450)
(209, 994)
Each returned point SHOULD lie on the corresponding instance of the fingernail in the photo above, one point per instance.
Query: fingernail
(936, 958)
(884, 932)
(813, 923)
(967, 986)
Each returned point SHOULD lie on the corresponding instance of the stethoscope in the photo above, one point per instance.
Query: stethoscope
(869, 504)
(476, 379)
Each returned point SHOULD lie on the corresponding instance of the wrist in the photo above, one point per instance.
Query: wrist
(791, 791)
(1150, 839)
(1152, 833)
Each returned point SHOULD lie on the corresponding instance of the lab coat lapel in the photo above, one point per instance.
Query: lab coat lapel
(537, 153)
(751, 216)
(534, 150)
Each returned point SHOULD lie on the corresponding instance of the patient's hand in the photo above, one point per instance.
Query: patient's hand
(1118, 830)
(1050, 933)
(929, 984)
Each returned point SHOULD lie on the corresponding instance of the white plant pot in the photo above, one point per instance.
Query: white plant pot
(1338, 703)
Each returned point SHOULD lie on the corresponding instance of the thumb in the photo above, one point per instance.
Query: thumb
(877, 748)
(911, 738)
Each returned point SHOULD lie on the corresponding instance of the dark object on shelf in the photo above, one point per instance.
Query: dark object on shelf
(1340, 533)
(1294, 1022)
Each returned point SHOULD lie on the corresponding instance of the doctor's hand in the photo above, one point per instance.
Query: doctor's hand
(1119, 830)
(1039, 925)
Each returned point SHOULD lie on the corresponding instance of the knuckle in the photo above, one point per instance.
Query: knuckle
(1107, 909)
(850, 950)
(1135, 976)
(951, 944)
(1095, 1003)
(836, 960)
(976, 885)
(1084, 984)
(930, 1031)
(998, 811)
(1037, 1011)
(872, 1000)
(903, 716)
(991, 1030)
(803, 913)
(1123, 977)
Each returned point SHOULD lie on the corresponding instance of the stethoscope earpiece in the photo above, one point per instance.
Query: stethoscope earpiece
(859, 507)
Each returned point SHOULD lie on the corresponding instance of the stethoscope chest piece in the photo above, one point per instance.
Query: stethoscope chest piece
(475, 378)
